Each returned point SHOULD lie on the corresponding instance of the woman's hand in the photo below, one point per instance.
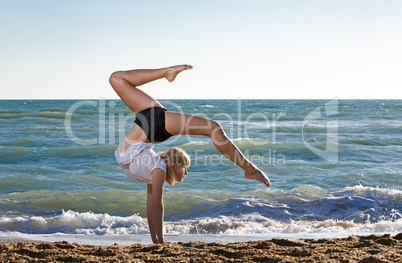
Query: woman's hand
(163, 242)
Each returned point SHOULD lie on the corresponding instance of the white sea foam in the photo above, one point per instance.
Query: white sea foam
(304, 209)
(71, 222)
(75, 223)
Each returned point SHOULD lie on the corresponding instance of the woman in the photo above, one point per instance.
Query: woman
(155, 124)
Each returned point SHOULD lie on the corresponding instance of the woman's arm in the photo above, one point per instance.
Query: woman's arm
(158, 180)
(149, 214)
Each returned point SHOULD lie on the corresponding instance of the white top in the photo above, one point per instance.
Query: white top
(139, 161)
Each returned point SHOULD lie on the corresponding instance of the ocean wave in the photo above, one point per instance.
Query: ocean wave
(316, 125)
(88, 223)
(33, 115)
(260, 226)
(207, 146)
(23, 141)
(257, 145)
(74, 222)
(34, 151)
(358, 204)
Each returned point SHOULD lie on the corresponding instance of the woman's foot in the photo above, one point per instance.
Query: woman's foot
(259, 176)
(172, 72)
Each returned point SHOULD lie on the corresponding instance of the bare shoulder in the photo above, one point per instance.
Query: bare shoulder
(158, 177)
(158, 180)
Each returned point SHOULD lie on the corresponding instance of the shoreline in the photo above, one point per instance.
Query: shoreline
(368, 248)
(145, 239)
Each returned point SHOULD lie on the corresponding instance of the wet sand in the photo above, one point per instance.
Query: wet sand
(364, 249)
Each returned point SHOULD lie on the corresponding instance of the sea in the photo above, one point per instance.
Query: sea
(335, 167)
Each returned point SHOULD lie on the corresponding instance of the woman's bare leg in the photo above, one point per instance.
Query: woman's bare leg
(125, 84)
(179, 123)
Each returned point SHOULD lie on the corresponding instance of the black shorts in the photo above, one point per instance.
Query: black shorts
(152, 122)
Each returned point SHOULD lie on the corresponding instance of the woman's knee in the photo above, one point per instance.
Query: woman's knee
(115, 78)
(216, 129)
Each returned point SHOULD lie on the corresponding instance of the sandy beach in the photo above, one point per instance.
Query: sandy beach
(372, 248)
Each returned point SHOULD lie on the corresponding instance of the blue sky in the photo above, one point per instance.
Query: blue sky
(53, 49)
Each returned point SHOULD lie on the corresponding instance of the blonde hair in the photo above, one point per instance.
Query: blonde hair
(175, 156)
